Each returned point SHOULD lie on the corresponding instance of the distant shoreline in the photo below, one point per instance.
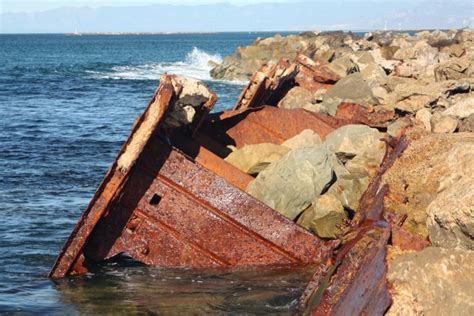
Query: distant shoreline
(224, 32)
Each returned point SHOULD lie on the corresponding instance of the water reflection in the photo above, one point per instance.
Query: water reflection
(124, 287)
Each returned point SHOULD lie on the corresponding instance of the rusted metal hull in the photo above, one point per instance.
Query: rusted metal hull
(170, 208)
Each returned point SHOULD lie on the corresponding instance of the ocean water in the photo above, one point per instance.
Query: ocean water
(67, 103)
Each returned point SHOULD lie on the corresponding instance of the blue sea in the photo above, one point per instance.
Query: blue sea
(67, 104)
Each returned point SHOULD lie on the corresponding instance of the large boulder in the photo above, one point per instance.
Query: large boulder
(443, 123)
(307, 138)
(297, 97)
(430, 164)
(462, 108)
(343, 66)
(410, 95)
(450, 219)
(455, 68)
(325, 217)
(354, 89)
(291, 184)
(467, 124)
(252, 159)
(451, 216)
(434, 281)
(360, 145)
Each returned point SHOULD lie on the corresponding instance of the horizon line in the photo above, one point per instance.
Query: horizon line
(221, 32)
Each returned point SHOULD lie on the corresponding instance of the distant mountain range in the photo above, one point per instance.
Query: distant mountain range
(300, 16)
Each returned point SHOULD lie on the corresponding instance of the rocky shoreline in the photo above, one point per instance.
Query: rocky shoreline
(425, 81)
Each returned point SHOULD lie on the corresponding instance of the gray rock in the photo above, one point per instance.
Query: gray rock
(343, 66)
(352, 88)
(307, 138)
(252, 159)
(363, 143)
(290, 184)
(348, 188)
(324, 217)
(183, 110)
(434, 281)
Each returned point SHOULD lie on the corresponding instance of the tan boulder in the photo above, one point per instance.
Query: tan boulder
(325, 216)
(252, 159)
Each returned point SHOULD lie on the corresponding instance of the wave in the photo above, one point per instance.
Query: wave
(197, 65)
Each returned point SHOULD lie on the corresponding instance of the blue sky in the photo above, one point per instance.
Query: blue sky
(10, 6)
(60, 16)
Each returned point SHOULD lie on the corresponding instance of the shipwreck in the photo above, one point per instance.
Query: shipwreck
(171, 200)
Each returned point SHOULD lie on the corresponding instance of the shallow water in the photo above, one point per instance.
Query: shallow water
(67, 103)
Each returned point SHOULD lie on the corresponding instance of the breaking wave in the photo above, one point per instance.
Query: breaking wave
(196, 65)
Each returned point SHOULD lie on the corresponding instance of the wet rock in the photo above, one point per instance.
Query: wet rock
(291, 184)
(451, 216)
(443, 123)
(423, 118)
(307, 138)
(360, 142)
(324, 217)
(297, 97)
(252, 159)
(434, 281)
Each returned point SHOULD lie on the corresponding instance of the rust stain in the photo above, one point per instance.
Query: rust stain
(358, 114)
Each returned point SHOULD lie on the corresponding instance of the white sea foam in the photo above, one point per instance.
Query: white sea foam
(196, 65)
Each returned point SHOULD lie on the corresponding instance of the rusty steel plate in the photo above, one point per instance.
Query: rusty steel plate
(164, 208)
(267, 124)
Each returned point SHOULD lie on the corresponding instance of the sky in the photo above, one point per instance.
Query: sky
(110, 16)
(15, 6)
